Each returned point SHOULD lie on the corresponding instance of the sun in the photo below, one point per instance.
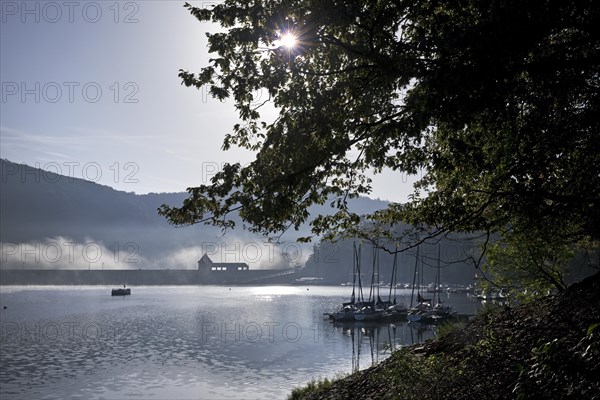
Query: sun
(288, 40)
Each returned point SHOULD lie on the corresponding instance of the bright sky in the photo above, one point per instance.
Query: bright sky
(90, 90)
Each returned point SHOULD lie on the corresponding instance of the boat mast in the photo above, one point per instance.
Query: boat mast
(377, 275)
(371, 291)
(358, 259)
(393, 279)
(437, 277)
(412, 295)
(353, 297)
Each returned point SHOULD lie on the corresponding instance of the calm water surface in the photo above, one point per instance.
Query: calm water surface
(204, 342)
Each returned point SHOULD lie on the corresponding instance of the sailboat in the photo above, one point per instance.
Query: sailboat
(440, 310)
(395, 310)
(424, 311)
(348, 309)
(374, 309)
(423, 306)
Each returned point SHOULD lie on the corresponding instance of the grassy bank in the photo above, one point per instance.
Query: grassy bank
(549, 348)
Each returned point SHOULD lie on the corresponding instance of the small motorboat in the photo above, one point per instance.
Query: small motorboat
(121, 292)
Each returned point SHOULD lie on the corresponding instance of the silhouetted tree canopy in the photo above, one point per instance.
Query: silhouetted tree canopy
(496, 102)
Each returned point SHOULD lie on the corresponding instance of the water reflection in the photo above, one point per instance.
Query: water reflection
(182, 342)
(373, 341)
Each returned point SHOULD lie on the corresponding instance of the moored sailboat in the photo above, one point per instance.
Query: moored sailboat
(348, 309)
(374, 309)
(425, 311)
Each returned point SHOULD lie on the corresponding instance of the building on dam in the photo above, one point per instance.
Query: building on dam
(207, 273)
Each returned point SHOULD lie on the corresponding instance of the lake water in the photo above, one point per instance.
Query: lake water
(206, 342)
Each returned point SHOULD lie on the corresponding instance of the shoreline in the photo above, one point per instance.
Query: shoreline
(547, 348)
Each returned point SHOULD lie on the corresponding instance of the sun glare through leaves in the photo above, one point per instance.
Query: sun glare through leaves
(288, 40)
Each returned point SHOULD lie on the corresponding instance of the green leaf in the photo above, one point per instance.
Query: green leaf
(592, 328)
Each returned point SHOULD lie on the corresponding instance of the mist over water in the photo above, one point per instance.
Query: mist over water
(115, 252)
(53, 221)
(184, 342)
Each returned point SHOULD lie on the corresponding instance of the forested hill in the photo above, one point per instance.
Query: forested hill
(37, 206)
(35, 203)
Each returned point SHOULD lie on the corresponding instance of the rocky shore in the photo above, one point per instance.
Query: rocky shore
(548, 348)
